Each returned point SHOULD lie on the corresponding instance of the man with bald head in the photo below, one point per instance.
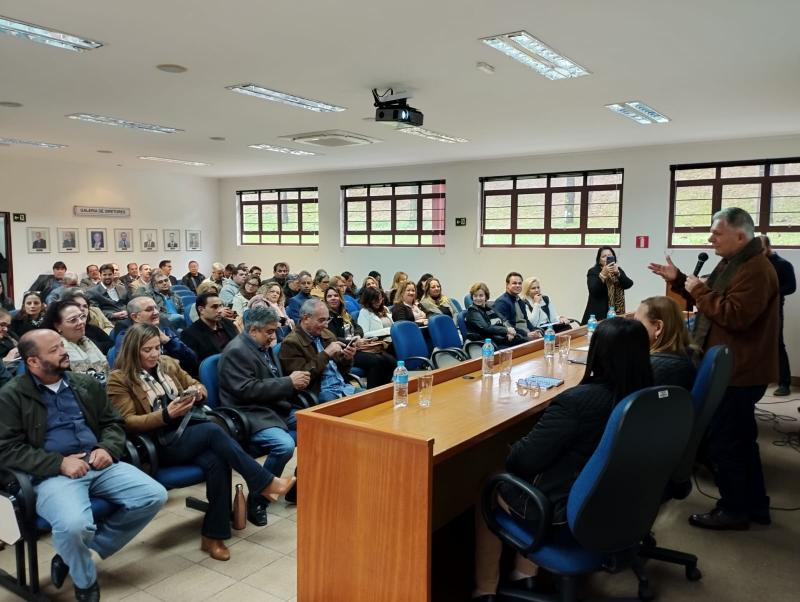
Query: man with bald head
(59, 427)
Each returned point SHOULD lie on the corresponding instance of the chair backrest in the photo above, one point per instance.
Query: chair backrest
(354, 315)
(462, 324)
(614, 501)
(187, 312)
(111, 356)
(443, 332)
(467, 300)
(408, 342)
(209, 376)
(456, 304)
(180, 287)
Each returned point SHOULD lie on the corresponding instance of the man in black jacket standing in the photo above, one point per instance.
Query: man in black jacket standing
(787, 284)
(60, 428)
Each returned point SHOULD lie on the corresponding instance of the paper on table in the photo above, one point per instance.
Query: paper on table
(581, 348)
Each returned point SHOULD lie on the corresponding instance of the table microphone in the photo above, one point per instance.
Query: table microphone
(701, 259)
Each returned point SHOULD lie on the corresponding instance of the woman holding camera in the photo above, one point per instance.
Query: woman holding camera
(154, 395)
(607, 284)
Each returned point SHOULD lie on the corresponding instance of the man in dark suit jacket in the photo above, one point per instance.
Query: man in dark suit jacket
(109, 297)
(45, 283)
(193, 277)
(514, 310)
(211, 333)
(251, 379)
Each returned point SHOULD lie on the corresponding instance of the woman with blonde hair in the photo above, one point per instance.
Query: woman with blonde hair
(350, 303)
(672, 355)
(406, 307)
(541, 308)
(396, 280)
(435, 302)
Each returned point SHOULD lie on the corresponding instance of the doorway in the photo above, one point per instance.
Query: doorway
(6, 264)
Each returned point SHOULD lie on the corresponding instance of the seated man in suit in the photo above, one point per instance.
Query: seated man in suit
(250, 378)
(165, 265)
(92, 277)
(193, 277)
(59, 427)
(109, 297)
(514, 310)
(211, 333)
(314, 348)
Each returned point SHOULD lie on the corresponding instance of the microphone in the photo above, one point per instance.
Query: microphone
(701, 259)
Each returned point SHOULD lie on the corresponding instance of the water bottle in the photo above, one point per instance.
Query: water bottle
(487, 353)
(611, 313)
(591, 326)
(549, 343)
(400, 379)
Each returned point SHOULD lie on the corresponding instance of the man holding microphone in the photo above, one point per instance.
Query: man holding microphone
(738, 307)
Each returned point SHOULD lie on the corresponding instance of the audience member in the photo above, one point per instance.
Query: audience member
(68, 320)
(98, 326)
(255, 271)
(70, 281)
(292, 286)
(247, 292)
(369, 282)
(787, 285)
(217, 274)
(8, 340)
(396, 280)
(6, 302)
(280, 271)
(207, 286)
(165, 265)
(484, 323)
(71, 442)
(513, 309)
(109, 297)
(423, 280)
(406, 307)
(30, 316)
(350, 302)
(273, 297)
(153, 394)
(541, 308)
(314, 348)
(212, 331)
(303, 295)
(607, 284)
(229, 270)
(374, 318)
(435, 302)
(231, 286)
(92, 277)
(131, 275)
(143, 283)
(193, 277)
(351, 285)
(45, 283)
(170, 304)
(321, 282)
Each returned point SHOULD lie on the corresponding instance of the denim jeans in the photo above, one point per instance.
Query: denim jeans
(278, 443)
(64, 503)
(331, 396)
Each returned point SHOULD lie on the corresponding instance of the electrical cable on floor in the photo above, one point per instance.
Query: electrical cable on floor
(789, 439)
(708, 495)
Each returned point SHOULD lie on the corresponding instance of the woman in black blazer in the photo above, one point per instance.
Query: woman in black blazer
(484, 323)
(607, 284)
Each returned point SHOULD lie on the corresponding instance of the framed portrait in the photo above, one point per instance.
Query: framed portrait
(172, 240)
(194, 241)
(96, 238)
(68, 240)
(123, 240)
(148, 239)
(38, 240)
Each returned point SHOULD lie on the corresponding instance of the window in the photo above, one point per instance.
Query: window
(279, 217)
(582, 209)
(410, 214)
(767, 189)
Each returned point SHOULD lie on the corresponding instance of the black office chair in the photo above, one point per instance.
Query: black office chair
(611, 505)
(710, 383)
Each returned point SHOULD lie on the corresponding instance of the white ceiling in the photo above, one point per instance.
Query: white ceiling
(719, 68)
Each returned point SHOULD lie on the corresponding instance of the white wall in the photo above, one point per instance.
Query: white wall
(47, 190)
(462, 262)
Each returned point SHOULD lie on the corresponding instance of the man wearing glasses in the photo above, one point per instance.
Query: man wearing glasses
(212, 331)
(169, 304)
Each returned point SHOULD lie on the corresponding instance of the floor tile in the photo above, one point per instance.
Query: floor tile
(192, 584)
(278, 578)
(246, 559)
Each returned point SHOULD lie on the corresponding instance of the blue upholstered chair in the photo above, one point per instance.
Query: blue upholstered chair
(111, 356)
(444, 335)
(181, 288)
(187, 309)
(613, 502)
(410, 346)
(467, 300)
(231, 419)
(456, 304)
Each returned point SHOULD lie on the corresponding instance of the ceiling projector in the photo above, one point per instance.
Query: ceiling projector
(394, 107)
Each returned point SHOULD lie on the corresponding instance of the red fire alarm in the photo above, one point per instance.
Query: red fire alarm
(642, 242)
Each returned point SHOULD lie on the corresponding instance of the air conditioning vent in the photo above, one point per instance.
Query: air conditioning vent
(331, 139)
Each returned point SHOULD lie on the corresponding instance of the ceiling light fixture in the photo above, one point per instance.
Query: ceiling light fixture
(639, 112)
(134, 125)
(282, 97)
(535, 54)
(484, 67)
(169, 68)
(217, 138)
(105, 152)
(7, 141)
(176, 161)
(42, 35)
(282, 149)
(431, 135)
(10, 105)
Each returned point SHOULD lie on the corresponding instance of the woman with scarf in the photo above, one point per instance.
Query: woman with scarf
(435, 302)
(246, 292)
(68, 319)
(607, 284)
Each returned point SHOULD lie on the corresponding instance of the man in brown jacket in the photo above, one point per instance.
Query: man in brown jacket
(738, 307)
(314, 348)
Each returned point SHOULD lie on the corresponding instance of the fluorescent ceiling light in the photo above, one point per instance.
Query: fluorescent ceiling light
(282, 149)
(535, 54)
(431, 135)
(8, 141)
(176, 161)
(133, 125)
(282, 97)
(51, 37)
(638, 112)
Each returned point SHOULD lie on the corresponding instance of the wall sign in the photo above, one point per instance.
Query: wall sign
(461, 221)
(642, 242)
(20, 217)
(80, 211)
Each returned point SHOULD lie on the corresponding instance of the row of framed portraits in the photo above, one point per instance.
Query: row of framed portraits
(98, 241)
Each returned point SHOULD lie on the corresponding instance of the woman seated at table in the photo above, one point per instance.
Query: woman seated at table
(370, 355)
(553, 454)
(484, 323)
(69, 320)
(154, 395)
(374, 318)
(541, 310)
(435, 302)
(672, 355)
(30, 316)
(607, 284)
(406, 307)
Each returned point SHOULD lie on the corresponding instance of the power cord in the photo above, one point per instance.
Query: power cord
(708, 495)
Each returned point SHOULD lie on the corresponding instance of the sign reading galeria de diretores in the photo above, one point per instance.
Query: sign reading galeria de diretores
(80, 211)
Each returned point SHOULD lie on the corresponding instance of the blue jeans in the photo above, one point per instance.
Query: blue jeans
(64, 503)
(326, 395)
(278, 443)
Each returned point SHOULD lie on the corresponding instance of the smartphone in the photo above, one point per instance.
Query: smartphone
(611, 261)
(350, 341)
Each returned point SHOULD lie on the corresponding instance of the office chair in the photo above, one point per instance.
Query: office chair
(444, 335)
(457, 305)
(187, 310)
(710, 383)
(232, 420)
(462, 325)
(467, 300)
(111, 356)
(607, 516)
(410, 346)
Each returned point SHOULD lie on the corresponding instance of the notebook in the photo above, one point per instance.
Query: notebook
(544, 382)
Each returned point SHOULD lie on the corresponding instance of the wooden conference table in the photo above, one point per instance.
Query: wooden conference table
(377, 482)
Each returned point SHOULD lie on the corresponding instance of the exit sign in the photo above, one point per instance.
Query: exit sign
(20, 217)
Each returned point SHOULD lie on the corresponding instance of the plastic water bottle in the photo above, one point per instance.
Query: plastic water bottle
(611, 313)
(549, 343)
(487, 353)
(400, 379)
(591, 326)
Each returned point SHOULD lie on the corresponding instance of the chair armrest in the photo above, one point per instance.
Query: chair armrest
(147, 452)
(305, 399)
(542, 504)
(427, 364)
(19, 485)
(358, 379)
(130, 454)
(457, 354)
(232, 421)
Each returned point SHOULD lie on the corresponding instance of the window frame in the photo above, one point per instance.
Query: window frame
(438, 235)
(548, 190)
(279, 203)
(717, 183)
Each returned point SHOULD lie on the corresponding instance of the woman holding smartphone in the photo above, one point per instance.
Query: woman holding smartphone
(607, 284)
(155, 395)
